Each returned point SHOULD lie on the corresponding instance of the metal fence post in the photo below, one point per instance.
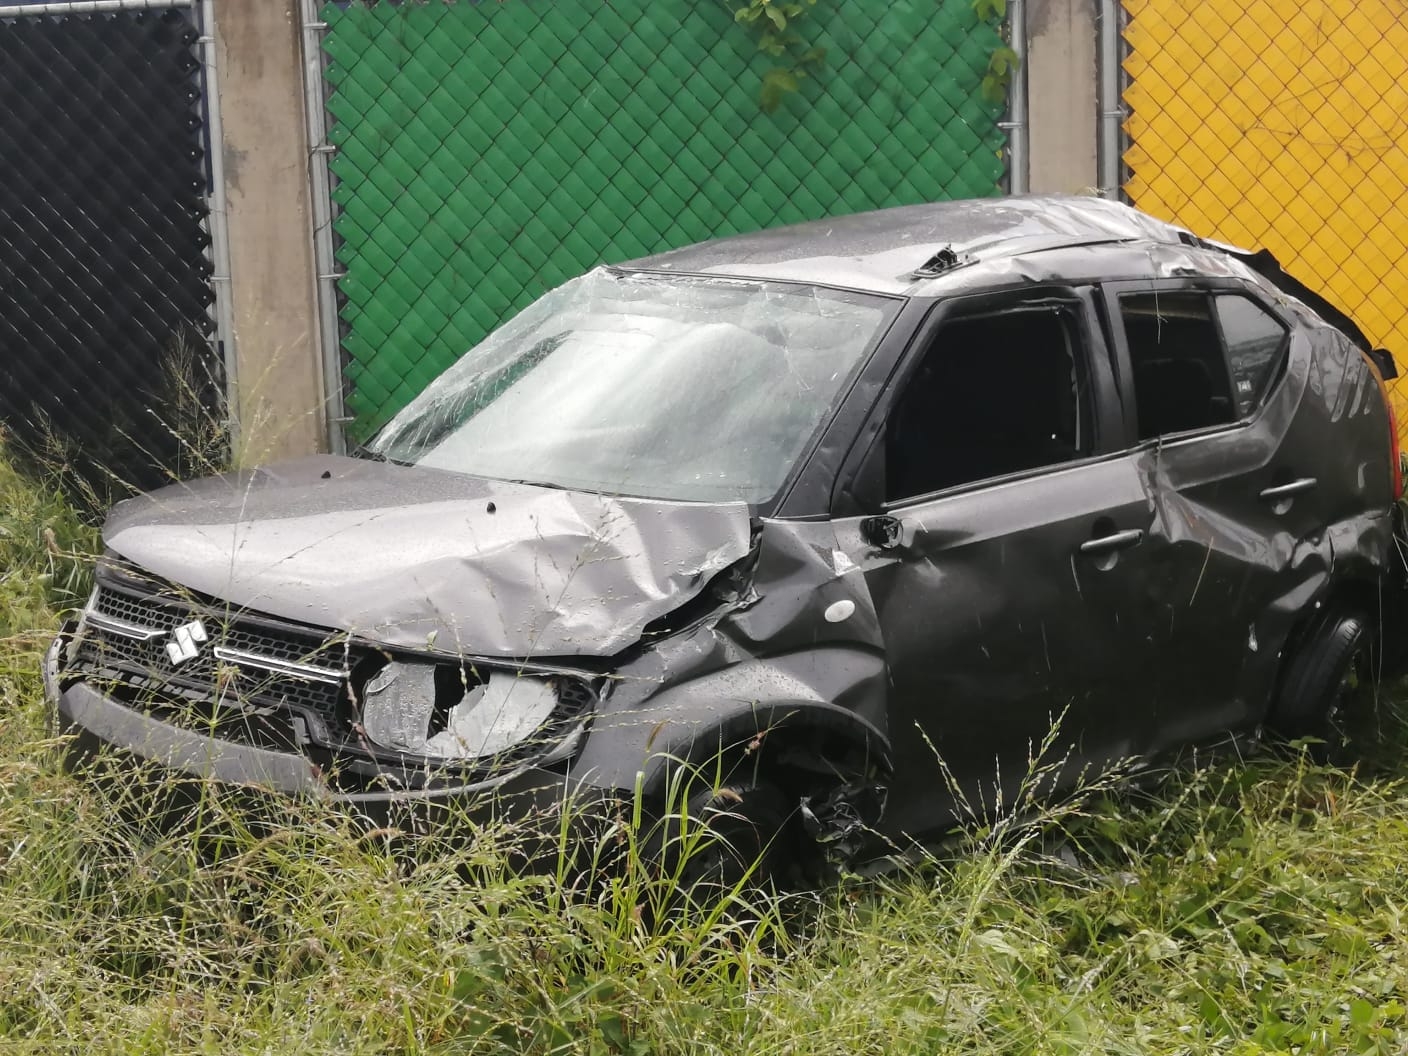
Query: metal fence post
(324, 259)
(219, 222)
(1016, 125)
(1111, 142)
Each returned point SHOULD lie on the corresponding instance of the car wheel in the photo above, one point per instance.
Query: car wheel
(741, 835)
(1331, 691)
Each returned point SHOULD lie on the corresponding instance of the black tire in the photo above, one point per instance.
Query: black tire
(745, 838)
(1330, 690)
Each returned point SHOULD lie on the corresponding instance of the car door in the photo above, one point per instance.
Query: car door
(1237, 476)
(1004, 554)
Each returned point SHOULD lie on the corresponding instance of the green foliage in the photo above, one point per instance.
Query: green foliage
(1001, 65)
(774, 23)
(1003, 62)
(46, 548)
(1241, 910)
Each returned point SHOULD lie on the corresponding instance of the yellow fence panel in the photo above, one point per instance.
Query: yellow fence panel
(1282, 124)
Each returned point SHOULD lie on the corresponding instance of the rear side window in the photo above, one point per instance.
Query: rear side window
(994, 394)
(1256, 343)
(1175, 352)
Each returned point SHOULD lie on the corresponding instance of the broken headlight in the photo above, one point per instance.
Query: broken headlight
(444, 711)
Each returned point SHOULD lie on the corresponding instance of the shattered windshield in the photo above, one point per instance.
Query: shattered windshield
(670, 387)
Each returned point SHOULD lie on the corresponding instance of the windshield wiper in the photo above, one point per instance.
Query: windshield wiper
(365, 452)
(533, 483)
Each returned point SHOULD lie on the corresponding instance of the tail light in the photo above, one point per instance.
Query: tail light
(1395, 456)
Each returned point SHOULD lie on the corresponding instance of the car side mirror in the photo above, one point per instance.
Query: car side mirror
(1383, 359)
(882, 532)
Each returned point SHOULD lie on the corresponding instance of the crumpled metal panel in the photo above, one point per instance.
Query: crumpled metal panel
(104, 274)
(489, 151)
(1279, 123)
(800, 640)
(423, 559)
(888, 251)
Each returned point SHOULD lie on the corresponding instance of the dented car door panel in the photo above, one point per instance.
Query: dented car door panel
(1000, 621)
(1009, 609)
(1240, 523)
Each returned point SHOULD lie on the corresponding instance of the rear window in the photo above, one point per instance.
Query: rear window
(1256, 342)
(1180, 377)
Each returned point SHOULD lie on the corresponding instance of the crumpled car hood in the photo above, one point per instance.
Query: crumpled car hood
(424, 559)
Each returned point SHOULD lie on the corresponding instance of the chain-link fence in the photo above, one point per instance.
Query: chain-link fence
(488, 151)
(106, 327)
(1281, 124)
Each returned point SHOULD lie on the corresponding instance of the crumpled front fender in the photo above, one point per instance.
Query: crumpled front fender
(726, 710)
(800, 649)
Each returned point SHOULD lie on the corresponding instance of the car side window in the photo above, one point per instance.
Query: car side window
(1175, 354)
(1256, 344)
(994, 394)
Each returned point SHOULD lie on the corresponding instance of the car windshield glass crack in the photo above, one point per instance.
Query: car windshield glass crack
(668, 387)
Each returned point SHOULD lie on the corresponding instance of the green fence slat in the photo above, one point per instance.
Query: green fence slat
(489, 151)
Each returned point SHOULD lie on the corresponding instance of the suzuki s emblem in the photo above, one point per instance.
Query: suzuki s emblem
(185, 643)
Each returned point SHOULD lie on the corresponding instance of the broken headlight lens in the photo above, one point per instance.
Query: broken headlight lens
(444, 712)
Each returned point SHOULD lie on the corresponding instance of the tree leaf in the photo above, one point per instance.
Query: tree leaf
(784, 79)
(777, 82)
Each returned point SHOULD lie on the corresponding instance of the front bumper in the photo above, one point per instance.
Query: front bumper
(103, 728)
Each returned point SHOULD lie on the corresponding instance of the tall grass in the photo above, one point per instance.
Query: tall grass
(46, 549)
(1241, 908)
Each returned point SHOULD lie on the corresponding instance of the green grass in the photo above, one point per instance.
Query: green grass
(1241, 908)
(45, 550)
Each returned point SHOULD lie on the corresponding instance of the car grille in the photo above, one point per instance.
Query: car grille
(261, 681)
(244, 658)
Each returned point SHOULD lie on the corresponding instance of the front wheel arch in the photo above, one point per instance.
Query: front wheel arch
(644, 748)
(796, 746)
(831, 766)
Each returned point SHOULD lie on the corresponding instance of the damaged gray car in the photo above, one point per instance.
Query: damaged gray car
(854, 512)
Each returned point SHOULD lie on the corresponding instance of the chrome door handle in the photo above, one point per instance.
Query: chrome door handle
(1115, 541)
(1285, 491)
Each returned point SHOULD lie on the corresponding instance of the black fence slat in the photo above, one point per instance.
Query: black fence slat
(104, 251)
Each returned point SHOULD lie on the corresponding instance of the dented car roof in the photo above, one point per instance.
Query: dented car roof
(945, 248)
(897, 250)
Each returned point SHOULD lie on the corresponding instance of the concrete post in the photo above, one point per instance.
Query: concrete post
(272, 276)
(1062, 80)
